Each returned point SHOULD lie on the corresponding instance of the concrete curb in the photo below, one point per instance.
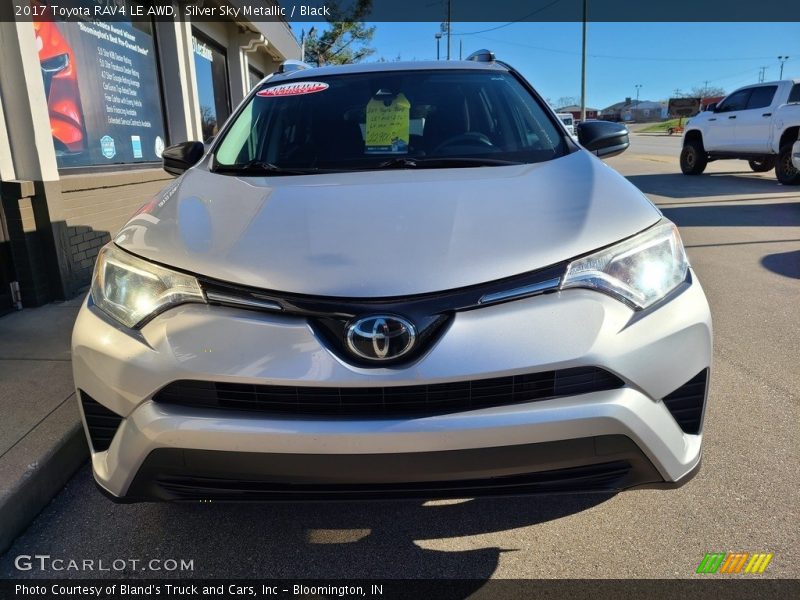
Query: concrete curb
(38, 467)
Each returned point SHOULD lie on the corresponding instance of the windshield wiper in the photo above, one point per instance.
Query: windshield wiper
(445, 162)
(260, 167)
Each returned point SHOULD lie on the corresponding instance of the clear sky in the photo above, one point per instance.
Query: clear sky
(661, 57)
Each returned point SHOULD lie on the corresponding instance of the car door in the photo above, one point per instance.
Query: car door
(754, 122)
(720, 135)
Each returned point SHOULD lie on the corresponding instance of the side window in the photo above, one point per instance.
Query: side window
(736, 101)
(794, 95)
(211, 79)
(761, 97)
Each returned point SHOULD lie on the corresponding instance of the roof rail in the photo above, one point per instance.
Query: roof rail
(290, 65)
(482, 55)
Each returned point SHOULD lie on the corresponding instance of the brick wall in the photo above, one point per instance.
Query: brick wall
(96, 206)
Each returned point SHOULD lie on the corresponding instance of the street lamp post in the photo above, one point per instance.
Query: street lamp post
(783, 59)
(638, 86)
(438, 37)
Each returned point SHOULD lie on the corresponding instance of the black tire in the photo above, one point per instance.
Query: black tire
(784, 169)
(693, 158)
(762, 166)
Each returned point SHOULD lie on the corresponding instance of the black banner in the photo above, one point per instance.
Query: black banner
(734, 587)
(413, 10)
(102, 89)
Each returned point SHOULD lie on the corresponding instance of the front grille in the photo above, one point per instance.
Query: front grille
(687, 402)
(101, 422)
(431, 399)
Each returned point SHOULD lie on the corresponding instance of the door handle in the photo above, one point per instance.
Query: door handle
(732, 117)
(766, 115)
(713, 119)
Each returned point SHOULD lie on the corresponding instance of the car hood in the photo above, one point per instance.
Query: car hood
(387, 233)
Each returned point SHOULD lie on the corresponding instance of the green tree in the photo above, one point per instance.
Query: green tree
(347, 39)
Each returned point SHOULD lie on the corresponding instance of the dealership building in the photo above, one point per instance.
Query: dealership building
(86, 108)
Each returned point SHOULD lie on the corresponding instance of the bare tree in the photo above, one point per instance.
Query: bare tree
(697, 91)
(567, 101)
(708, 91)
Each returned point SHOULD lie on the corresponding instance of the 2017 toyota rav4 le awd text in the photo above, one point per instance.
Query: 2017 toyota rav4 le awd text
(393, 280)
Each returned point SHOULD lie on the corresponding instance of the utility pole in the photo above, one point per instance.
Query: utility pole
(460, 49)
(311, 33)
(638, 86)
(705, 88)
(583, 65)
(783, 59)
(449, 25)
(438, 37)
(762, 72)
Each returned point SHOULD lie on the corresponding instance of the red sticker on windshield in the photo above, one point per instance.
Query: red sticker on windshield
(293, 89)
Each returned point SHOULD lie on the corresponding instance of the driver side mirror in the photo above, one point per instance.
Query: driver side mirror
(603, 138)
(712, 107)
(181, 157)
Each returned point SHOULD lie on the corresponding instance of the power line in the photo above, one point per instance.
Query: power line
(530, 14)
(615, 57)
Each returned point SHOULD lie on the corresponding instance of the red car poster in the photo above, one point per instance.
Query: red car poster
(101, 83)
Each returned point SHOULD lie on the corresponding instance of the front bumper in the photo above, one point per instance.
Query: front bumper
(533, 446)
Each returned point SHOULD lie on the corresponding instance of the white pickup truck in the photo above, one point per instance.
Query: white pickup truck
(758, 123)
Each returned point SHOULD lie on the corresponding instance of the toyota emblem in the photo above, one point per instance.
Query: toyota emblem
(381, 337)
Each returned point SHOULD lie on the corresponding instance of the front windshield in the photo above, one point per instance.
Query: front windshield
(390, 119)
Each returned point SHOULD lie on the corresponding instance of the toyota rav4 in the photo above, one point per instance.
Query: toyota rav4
(393, 280)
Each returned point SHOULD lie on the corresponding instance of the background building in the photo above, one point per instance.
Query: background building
(638, 111)
(86, 109)
(591, 113)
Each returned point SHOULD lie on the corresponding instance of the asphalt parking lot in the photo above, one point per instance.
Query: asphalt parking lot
(742, 232)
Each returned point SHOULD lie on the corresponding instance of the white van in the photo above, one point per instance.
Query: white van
(568, 121)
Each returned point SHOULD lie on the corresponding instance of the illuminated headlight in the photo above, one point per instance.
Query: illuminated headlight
(639, 271)
(132, 290)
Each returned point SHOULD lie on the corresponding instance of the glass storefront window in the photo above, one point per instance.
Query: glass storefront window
(211, 73)
(255, 76)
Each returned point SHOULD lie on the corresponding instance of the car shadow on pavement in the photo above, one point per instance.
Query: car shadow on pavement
(783, 263)
(777, 214)
(677, 185)
(321, 540)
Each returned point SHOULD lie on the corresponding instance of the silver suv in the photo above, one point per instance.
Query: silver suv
(394, 279)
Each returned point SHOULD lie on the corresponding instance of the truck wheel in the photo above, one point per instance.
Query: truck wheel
(693, 158)
(762, 166)
(784, 169)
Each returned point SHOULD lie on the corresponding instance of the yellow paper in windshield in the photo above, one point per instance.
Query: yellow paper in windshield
(387, 125)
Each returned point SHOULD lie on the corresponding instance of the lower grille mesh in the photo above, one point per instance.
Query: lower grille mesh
(385, 401)
(101, 422)
(596, 477)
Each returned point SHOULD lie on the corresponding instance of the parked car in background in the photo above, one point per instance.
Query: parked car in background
(331, 302)
(569, 122)
(758, 123)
